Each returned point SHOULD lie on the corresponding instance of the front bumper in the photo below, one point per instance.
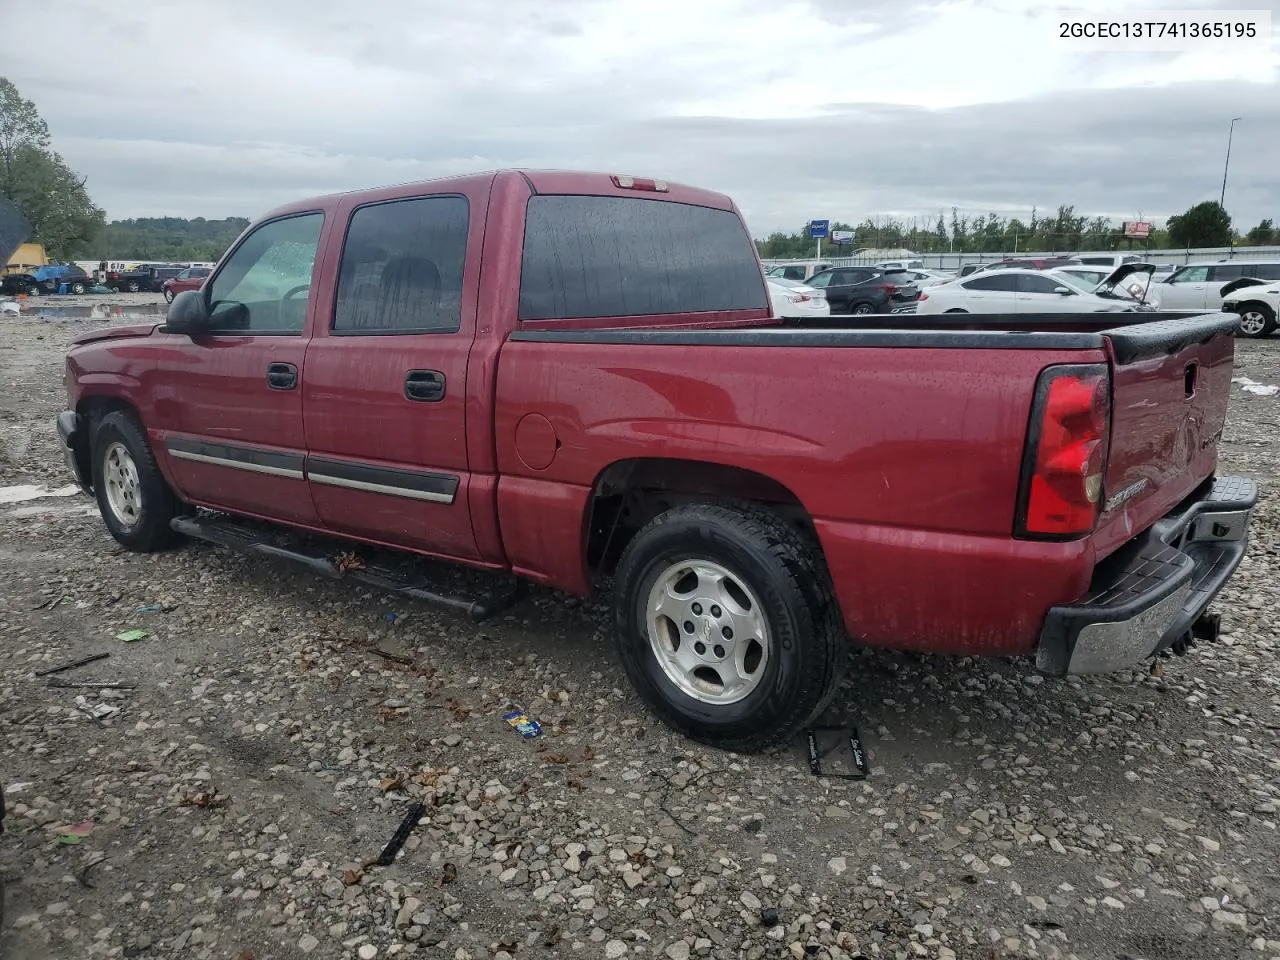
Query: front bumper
(71, 430)
(1146, 597)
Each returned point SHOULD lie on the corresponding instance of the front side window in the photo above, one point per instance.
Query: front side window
(402, 267)
(1004, 283)
(1190, 275)
(1037, 283)
(263, 286)
(821, 280)
(590, 256)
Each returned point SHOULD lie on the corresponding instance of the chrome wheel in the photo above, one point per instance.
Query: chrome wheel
(1252, 323)
(120, 478)
(708, 631)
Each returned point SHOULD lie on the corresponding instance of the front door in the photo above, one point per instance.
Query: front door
(385, 396)
(236, 389)
(1187, 289)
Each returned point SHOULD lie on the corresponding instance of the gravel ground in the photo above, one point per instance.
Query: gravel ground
(269, 750)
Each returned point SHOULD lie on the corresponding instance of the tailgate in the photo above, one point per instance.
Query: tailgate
(1171, 382)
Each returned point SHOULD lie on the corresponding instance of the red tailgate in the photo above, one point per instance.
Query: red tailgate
(1171, 381)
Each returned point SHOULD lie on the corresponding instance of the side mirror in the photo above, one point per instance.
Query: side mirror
(188, 313)
(1062, 291)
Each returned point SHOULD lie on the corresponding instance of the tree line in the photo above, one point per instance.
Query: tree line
(1204, 225)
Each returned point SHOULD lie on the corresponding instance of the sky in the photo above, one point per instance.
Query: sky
(799, 109)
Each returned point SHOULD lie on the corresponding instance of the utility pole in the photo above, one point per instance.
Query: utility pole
(1230, 130)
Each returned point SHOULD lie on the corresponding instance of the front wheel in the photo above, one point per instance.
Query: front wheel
(77, 288)
(168, 296)
(133, 286)
(1257, 321)
(726, 625)
(134, 498)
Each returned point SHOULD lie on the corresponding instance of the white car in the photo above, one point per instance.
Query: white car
(1023, 290)
(1258, 306)
(928, 278)
(792, 299)
(1198, 286)
(1099, 280)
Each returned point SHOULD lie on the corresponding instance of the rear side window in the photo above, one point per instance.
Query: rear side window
(1232, 272)
(402, 268)
(623, 256)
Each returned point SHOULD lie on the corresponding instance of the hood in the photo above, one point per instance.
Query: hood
(1240, 284)
(1121, 273)
(116, 333)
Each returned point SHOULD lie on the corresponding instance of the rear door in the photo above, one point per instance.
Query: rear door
(232, 394)
(386, 389)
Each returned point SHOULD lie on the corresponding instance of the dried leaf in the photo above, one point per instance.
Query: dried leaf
(335, 683)
(205, 801)
(244, 955)
(348, 561)
(551, 937)
(555, 758)
(390, 713)
(588, 754)
(428, 778)
(460, 711)
(522, 789)
(351, 877)
(448, 875)
(1157, 669)
(393, 782)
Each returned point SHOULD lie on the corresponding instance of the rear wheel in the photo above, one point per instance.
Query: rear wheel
(133, 286)
(1257, 320)
(862, 309)
(726, 626)
(134, 498)
(957, 310)
(77, 288)
(168, 296)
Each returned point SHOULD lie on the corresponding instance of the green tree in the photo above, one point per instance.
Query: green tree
(1205, 225)
(45, 189)
(1264, 234)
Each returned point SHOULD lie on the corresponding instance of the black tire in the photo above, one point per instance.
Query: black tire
(115, 289)
(168, 296)
(155, 499)
(863, 309)
(1261, 320)
(33, 290)
(133, 286)
(77, 288)
(784, 569)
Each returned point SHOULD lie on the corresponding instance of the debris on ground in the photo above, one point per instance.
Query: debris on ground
(98, 711)
(522, 723)
(63, 667)
(131, 636)
(72, 836)
(388, 855)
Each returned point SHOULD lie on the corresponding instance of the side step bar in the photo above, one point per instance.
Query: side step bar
(227, 533)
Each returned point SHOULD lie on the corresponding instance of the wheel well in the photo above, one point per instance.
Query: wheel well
(91, 410)
(630, 493)
(1255, 304)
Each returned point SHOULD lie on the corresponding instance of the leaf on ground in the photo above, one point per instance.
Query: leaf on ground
(393, 782)
(448, 875)
(351, 877)
(205, 801)
(555, 758)
(460, 711)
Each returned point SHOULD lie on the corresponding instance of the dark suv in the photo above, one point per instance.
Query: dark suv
(866, 290)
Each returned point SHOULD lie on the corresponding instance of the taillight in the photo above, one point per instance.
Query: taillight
(639, 183)
(924, 296)
(1066, 454)
(888, 288)
(798, 298)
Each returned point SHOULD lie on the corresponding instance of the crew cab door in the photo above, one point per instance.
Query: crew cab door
(234, 391)
(385, 397)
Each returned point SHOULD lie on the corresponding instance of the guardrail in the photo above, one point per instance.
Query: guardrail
(954, 261)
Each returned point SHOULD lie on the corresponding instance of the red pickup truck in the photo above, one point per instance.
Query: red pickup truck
(571, 377)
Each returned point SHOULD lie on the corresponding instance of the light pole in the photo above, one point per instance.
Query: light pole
(1230, 130)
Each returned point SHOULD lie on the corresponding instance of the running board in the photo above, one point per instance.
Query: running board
(227, 533)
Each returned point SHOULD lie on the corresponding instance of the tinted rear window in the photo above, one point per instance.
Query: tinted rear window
(623, 256)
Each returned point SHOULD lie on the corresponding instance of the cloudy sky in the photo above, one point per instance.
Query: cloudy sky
(798, 108)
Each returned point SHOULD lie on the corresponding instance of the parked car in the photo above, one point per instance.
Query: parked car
(52, 276)
(801, 270)
(189, 279)
(796, 300)
(1258, 306)
(15, 284)
(900, 266)
(1109, 260)
(477, 370)
(132, 281)
(1023, 290)
(865, 290)
(928, 278)
(1198, 286)
(156, 277)
(1135, 283)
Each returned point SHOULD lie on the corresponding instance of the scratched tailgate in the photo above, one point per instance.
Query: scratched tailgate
(1171, 382)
